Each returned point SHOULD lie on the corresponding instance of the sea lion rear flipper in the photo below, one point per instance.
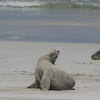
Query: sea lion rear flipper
(34, 85)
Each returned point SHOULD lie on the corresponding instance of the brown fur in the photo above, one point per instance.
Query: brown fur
(96, 56)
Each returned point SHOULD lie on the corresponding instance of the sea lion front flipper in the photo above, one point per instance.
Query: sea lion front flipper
(45, 82)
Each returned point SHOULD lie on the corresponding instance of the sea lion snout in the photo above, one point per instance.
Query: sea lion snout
(58, 51)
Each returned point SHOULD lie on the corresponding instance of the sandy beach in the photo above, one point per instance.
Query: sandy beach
(18, 61)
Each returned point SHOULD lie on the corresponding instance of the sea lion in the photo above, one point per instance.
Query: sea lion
(96, 56)
(49, 77)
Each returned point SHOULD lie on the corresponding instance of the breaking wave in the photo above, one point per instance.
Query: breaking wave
(93, 4)
(20, 3)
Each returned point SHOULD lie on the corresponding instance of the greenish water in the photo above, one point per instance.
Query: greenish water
(93, 4)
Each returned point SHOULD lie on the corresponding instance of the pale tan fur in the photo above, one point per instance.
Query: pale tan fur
(49, 76)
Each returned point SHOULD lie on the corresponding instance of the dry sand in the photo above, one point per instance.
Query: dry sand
(17, 64)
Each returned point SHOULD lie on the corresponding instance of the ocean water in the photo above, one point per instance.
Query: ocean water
(50, 20)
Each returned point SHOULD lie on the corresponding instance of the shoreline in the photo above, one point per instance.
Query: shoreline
(48, 42)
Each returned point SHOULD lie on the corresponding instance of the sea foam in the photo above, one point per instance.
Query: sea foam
(51, 3)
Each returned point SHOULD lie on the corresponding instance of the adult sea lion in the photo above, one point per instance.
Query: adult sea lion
(49, 77)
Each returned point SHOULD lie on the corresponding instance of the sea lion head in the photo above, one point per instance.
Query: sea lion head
(96, 56)
(53, 55)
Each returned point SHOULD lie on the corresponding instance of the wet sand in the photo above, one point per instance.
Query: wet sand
(50, 25)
